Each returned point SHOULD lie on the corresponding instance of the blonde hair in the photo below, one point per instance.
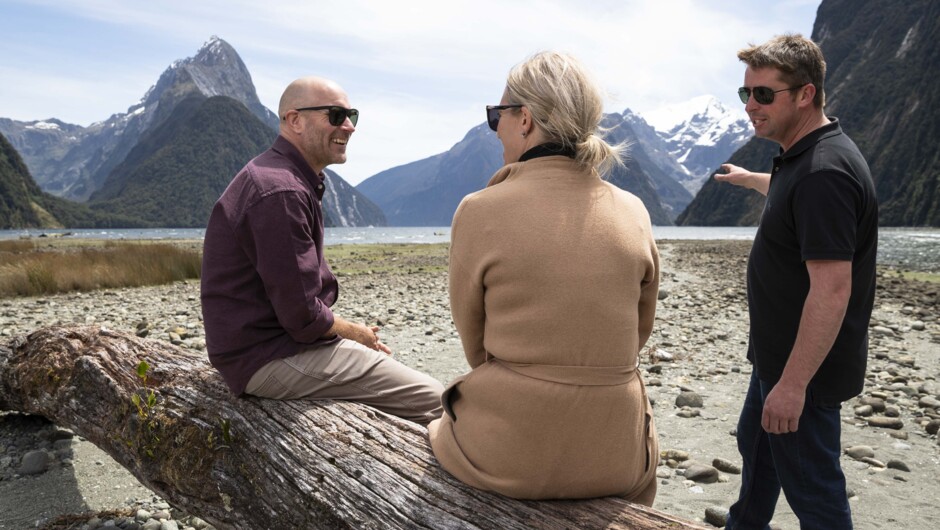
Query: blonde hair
(799, 60)
(566, 104)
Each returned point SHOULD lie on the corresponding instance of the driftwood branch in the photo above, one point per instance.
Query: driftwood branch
(165, 415)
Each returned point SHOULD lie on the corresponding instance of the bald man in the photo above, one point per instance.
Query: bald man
(267, 288)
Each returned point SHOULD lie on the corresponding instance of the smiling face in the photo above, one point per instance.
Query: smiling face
(779, 120)
(310, 131)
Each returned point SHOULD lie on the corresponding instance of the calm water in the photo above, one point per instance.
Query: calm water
(908, 248)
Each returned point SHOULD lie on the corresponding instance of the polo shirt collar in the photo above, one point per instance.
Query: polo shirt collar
(830, 129)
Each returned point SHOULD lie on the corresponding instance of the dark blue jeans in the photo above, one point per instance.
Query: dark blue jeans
(805, 464)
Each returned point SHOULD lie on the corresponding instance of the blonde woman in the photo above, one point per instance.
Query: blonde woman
(553, 281)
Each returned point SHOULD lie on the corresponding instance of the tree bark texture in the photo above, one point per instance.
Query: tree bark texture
(248, 463)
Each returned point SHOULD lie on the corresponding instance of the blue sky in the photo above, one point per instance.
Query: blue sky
(419, 71)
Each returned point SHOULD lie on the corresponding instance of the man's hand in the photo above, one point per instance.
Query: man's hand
(830, 286)
(365, 335)
(783, 408)
(744, 178)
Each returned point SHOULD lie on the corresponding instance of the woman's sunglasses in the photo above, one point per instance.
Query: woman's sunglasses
(492, 114)
(337, 115)
(762, 94)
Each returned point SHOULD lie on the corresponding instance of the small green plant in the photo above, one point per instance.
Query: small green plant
(226, 432)
(226, 435)
(146, 404)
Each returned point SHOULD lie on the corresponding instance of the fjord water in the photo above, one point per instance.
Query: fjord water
(906, 248)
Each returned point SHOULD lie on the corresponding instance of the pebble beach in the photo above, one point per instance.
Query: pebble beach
(694, 366)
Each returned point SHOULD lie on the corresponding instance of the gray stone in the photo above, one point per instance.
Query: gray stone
(899, 465)
(688, 413)
(716, 516)
(932, 427)
(727, 466)
(881, 330)
(876, 403)
(689, 399)
(873, 462)
(929, 402)
(864, 411)
(163, 513)
(169, 525)
(34, 463)
(885, 422)
(143, 515)
(701, 473)
(674, 454)
(918, 325)
(898, 435)
(859, 452)
(892, 412)
(663, 293)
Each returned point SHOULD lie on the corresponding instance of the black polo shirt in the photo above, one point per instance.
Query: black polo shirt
(821, 205)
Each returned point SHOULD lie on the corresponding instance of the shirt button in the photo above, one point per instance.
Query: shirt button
(319, 186)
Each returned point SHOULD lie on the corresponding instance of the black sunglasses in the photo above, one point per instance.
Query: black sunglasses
(492, 114)
(762, 94)
(337, 115)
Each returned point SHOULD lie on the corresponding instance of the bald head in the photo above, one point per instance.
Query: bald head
(313, 134)
(306, 92)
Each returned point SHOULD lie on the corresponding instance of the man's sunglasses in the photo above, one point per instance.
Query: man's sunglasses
(492, 114)
(762, 94)
(337, 115)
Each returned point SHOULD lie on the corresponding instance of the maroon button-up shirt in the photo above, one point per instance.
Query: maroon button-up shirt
(266, 287)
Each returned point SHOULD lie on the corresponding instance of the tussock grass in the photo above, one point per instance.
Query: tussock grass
(29, 271)
(16, 245)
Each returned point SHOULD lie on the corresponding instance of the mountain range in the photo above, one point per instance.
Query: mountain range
(427, 192)
(164, 161)
(156, 162)
(883, 66)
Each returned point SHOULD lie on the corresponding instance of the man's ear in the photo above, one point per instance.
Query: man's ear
(807, 94)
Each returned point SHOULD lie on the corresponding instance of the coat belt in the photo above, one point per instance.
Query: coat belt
(573, 375)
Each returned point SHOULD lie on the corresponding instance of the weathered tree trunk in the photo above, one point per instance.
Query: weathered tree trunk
(259, 463)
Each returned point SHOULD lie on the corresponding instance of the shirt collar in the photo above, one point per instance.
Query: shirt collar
(830, 129)
(286, 149)
(548, 149)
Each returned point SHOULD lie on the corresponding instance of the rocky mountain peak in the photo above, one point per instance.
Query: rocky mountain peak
(697, 135)
(215, 70)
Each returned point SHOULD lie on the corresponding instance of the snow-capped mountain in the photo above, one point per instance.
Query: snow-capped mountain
(700, 134)
(75, 162)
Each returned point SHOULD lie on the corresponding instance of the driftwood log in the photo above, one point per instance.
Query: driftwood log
(165, 415)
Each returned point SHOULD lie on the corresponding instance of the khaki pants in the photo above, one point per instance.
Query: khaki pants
(348, 371)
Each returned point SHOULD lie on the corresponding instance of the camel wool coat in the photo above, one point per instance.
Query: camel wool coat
(554, 276)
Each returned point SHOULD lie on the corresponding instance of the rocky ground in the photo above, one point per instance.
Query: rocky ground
(694, 367)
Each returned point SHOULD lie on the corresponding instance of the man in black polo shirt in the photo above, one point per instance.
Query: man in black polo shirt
(811, 287)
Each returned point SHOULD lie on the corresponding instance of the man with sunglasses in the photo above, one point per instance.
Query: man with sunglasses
(811, 287)
(267, 288)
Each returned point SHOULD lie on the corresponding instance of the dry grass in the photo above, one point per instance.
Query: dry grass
(16, 245)
(28, 271)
